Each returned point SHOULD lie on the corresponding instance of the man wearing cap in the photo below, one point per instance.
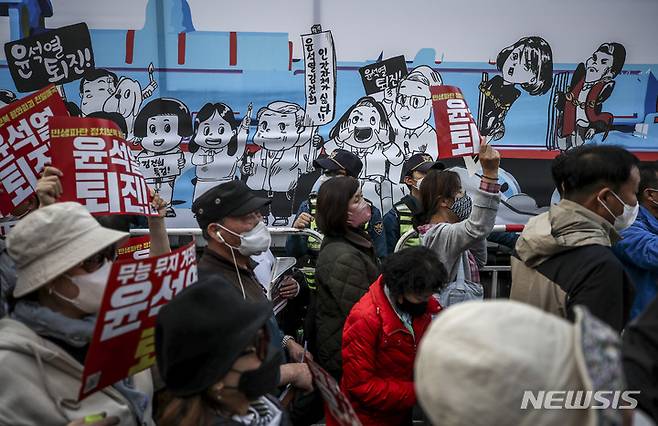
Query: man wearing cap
(230, 219)
(63, 259)
(398, 220)
(339, 163)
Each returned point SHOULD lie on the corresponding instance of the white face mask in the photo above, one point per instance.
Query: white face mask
(253, 242)
(627, 218)
(91, 287)
(417, 186)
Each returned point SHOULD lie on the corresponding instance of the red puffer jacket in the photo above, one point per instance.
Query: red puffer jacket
(378, 359)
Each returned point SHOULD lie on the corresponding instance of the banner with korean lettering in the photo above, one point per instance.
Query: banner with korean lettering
(319, 77)
(99, 168)
(53, 57)
(336, 401)
(123, 343)
(456, 129)
(384, 75)
(24, 144)
(135, 248)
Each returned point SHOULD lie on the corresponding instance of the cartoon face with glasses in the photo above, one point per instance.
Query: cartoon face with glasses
(412, 110)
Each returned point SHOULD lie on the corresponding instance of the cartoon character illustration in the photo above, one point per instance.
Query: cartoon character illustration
(217, 146)
(162, 124)
(364, 129)
(96, 87)
(412, 110)
(282, 139)
(102, 90)
(580, 107)
(527, 63)
(6, 97)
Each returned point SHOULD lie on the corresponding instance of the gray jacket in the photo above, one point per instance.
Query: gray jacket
(451, 240)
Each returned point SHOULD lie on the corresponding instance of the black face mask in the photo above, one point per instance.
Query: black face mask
(263, 380)
(413, 309)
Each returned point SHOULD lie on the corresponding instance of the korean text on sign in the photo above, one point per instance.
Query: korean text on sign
(456, 130)
(384, 75)
(24, 144)
(100, 171)
(319, 78)
(58, 56)
(123, 343)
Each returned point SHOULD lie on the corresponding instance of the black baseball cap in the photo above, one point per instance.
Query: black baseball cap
(229, 199)
(420, 162)
(341, 159)
(202, 331)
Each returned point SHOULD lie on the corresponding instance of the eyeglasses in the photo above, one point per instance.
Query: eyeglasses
(259, 346)
(412, 101)
(96, 260)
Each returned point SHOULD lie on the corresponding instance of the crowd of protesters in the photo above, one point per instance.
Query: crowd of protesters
(405, 333)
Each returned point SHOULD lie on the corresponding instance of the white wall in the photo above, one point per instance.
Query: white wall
(473, 30)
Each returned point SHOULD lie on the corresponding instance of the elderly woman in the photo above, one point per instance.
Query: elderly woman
(63, 257)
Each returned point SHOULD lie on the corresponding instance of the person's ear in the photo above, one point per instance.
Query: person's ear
(409, 181)
(215, 391)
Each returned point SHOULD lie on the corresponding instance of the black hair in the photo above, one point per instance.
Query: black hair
(384, 122)
(589, 168)
(648, 178)
(73, 109)
(7, 96)
(414, 270)
(227, 115)
(539, 57)
(164, 106)
(557, 171)
(333, 201)
(115, 117)
(618, 52)
(437, 185)
(95, 74)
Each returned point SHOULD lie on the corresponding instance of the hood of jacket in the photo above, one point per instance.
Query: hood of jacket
(564, 226)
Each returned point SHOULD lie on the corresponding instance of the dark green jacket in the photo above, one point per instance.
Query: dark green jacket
(346, 268)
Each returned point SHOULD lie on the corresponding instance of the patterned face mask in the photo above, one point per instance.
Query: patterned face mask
(462, 207)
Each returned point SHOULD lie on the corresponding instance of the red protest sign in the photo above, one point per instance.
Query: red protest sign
(336, 401)
(135, 248)
(24, 144)
(456, 130)
(99, 169)
(124, 337)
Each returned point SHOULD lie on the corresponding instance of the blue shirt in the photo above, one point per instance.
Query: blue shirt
(638, 251)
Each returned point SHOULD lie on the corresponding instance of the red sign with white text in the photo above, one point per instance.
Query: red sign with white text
(124, 337)
(99, 168)
(135, 248)
(337, 403)
(456, 130)
(24, 144)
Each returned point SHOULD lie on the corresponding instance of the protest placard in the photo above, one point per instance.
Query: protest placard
(383, 75)
(123, 343)
(456, 129)
(159, 166)
(53, 57)
(135, 248)
(99, 168)
(319, 77)
(336, 401)
(24, 144)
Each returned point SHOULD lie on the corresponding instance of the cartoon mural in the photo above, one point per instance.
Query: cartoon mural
(581, 106)
(527, 63)
(309, 102)
(217, 145)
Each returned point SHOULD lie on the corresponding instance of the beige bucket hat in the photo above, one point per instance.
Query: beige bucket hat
(51, 240)
(478, 358)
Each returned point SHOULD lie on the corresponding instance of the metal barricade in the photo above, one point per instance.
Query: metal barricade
(273, 230)
(494, 269)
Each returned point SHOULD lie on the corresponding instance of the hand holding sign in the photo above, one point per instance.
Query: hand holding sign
(49, 187)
